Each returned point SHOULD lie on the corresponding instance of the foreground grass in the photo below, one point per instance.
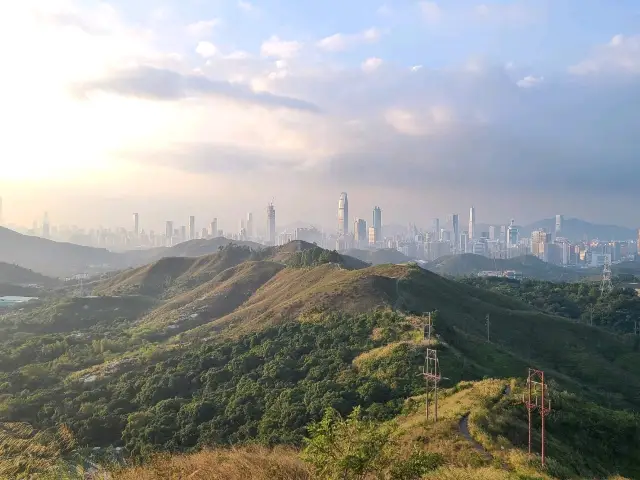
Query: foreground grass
(255, 463)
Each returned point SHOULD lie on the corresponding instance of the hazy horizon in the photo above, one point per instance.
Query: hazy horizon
(523, 109)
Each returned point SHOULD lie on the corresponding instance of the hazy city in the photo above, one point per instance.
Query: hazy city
(296, 240)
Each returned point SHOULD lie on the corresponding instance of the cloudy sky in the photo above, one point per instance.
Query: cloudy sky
(522, 108)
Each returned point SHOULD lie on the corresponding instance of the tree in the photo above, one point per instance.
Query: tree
(348, 449)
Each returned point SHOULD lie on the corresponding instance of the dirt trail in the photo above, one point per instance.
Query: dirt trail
(464, 430)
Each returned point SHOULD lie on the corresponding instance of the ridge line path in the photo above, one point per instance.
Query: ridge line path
(463, 426)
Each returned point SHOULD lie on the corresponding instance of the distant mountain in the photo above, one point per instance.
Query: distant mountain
(197, 248)
(379, 257)
(16, 275)
(530, 266)
(578, 230)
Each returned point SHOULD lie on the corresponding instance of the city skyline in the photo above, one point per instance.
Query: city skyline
(226, 106)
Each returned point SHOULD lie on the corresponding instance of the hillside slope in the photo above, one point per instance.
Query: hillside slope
(16, 275)
(530, 266)
(238, 347)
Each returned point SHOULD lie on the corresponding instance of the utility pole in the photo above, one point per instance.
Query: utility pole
(606, 286)
(535, 385)
(488, 318)
(426, 330)
(432, 377)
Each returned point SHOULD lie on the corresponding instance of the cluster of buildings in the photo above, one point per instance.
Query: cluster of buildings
(440, 239)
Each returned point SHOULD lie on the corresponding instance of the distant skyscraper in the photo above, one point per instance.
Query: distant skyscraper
(183, 233)
(436, 227)
(454, 223)
(136, 225)
(503, 233)
(46, 229)
(377, 223)
(168, 233)
(559, 225)
(472, 223)
(360, 232)
(192, 227)
(213, 228)
(343, 214)
(512, 234)
(249, 226)
(271, 224)
(492, 232)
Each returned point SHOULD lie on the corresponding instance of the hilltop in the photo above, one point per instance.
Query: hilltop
(243, 346)
(16, 275)
(379, 256)
(530, 266)
(578, 230)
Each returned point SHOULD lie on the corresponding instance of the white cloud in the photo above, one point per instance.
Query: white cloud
(274, 47)
(620, 55)
(371, 64)
(247, 6)
(342, 41)
(431, 11)
(206, 49)
(529, 81)
(238, 55)
(506, 14)
(384, 10)
(203, 27)
(415, 68)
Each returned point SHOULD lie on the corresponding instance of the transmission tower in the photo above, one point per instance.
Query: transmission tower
(535, 399)
(606, 286)
(426, 328)
(432, 377)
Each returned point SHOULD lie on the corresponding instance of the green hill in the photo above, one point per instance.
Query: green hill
(16, 275)
(529, 266)
(379, 256)
(251, 346)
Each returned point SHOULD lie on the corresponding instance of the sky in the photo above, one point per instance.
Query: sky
(522, 108)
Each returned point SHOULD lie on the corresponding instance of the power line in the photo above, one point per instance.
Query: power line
(606, 286)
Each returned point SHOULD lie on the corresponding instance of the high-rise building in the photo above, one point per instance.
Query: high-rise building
(436, 227)
(343, 214)
(183, 233)
(472, 223)
(512, 234)
(192, 227)
(271, 224)
(46, 229)
(377, 223)
(540, 242)
(360, 232)
(372, 236)
(638, 241)
(492, 232)
(249, 226)
(136, 225)
(213, 228)
(559, 225)
(168, 233)
(503, 233)
(454, 225)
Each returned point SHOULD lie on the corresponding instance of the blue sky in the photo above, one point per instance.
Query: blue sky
(522, 108)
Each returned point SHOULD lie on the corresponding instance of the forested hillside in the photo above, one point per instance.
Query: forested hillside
(249, 346)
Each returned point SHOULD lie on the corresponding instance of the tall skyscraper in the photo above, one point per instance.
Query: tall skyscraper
(213, 228)
(436, 227)
(192, 227)
(183, 233)
(454, 224)
(492, 232)
(472, 223)
(377, 223)
(271, 224)
(136, 225)
(343, 214)
(559, 224)
(249, 226)
(46, 229)
(512, 234)
(168, 233)
(360, 232)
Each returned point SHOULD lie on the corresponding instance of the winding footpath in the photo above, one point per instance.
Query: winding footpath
(463, 426)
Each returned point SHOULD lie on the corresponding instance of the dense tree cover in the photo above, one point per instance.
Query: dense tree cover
(314, 256)
(265, 386)
(579, 301)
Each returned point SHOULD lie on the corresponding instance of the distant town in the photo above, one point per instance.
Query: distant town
(442, 238)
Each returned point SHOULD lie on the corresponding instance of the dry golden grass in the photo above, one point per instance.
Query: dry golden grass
(250, 463)
(467, 473)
